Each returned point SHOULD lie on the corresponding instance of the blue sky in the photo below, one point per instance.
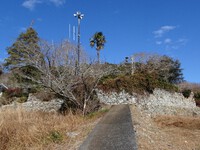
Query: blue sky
(170, 27)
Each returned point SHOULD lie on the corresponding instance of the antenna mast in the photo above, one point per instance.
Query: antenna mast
(32, 23)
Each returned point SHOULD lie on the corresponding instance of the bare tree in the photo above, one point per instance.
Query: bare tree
(56, 65)
(195, 87)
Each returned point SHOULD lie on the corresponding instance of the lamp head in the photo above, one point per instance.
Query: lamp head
(79, 15)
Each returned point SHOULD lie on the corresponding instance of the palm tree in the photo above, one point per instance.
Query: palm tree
(98, 40)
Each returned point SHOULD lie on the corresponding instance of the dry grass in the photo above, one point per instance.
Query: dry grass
(21, 130)
(190, 123)
(195, 87)
(166, 132)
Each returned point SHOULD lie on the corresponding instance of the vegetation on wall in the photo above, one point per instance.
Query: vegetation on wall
(150, 72)
(186, 88)
(137, 83)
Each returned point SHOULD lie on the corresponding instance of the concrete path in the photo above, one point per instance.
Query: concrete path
(113, 132)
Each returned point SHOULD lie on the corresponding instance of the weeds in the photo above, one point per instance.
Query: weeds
(56, 136)
(99, 113)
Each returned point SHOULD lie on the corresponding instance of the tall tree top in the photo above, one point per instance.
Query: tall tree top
(98, 40)
(26, 45)
(30, 36)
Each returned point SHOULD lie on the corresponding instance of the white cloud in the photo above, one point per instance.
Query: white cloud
(182, 41)
(169, 44)
(39, 19)
(158, 42)
(167, 41)
(30, 4)
(164, 29)
(58, 2)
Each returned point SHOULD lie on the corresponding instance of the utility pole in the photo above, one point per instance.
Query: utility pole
(79, 16)
(132, 65)
(32, 23)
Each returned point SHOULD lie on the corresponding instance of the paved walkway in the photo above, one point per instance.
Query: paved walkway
(113, 132)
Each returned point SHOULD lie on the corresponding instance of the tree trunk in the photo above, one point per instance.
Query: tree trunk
(84, 107)
(98, 56)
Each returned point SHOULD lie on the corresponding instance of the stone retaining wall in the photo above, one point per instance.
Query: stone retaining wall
(158, 98)
(114, 98)
(164, 98)
(160, 102)
(34, 104)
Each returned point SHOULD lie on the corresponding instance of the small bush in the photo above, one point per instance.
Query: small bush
(13, 92)
(56, 136)
(22, 99)
(197, 96)
(186, 93)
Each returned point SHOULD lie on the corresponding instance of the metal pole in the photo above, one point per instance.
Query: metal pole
(78, 63)
(133, 65)
(79, 16)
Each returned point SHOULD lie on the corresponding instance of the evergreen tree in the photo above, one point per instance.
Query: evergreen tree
(25, 47)
(176, 73)
(163, 67)
(21, 53)
(166, 68)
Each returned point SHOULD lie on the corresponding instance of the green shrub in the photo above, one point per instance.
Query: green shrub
(22, 99)
(55, 136)
(197, 96)
(186, 93)
(97, 113)
(137, 83)
(14, 94)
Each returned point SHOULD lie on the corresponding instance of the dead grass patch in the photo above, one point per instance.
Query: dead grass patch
(178, 121)
(166, 132)
(21, 130)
